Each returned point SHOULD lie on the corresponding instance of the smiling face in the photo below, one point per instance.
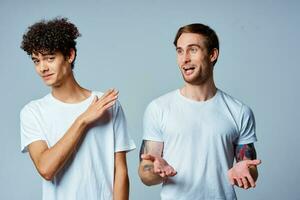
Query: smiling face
(193, 58)
(53, 68)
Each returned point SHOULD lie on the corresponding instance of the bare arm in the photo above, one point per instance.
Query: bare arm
(153, 169)
(247, 152)
(244, 173)
(121, 181)
(48, 161)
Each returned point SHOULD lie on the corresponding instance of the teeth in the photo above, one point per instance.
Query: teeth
(189, 68)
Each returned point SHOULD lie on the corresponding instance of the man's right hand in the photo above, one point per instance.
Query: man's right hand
(99, 106)
(159, 166)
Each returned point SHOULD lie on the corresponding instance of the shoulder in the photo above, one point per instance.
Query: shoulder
(34, 105)
(98, 93)
(235, 105)
(233, 102)
(164, 100)
(116, 107)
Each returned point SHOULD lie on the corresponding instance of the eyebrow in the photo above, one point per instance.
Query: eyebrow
(45, 55)
(34, 58)
(191, 45)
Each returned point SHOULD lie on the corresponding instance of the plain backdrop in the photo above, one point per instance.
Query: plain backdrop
(128, 45)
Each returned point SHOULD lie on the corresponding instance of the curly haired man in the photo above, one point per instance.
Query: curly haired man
(76, 137)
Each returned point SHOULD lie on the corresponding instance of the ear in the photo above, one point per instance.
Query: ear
(71, 56)
(214, 55)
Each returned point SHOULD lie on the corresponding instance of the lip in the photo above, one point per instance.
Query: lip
(47, 76)
(188, 70)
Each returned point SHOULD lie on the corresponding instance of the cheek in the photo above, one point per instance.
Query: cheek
(199, 60)
(180, 61)
(37, 70)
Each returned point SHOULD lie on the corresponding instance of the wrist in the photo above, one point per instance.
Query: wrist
(81, 122)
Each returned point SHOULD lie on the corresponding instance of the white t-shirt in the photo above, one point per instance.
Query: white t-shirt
(199, 140)
(89, 174)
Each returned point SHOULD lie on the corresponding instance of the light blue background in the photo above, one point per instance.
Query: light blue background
(128, 45)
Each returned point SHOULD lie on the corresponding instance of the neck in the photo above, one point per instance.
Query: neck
(200, 92)
(70, 91)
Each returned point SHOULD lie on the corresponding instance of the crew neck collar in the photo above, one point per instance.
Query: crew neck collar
(210, 100)
(57, 101)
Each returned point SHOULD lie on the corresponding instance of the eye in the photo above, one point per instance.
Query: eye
(193, 50)
(35, 61)
(51, 58)
(179, 51)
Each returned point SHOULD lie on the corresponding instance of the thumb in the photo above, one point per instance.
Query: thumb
(254, 162)
(147, 157)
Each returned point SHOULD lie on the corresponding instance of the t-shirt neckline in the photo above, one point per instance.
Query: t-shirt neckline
(57, 101)
(208, 101)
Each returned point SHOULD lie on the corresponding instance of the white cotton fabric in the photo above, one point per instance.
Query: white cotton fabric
(89, 174)
(199, 140)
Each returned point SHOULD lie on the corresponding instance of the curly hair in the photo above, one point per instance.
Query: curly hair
(50, 36)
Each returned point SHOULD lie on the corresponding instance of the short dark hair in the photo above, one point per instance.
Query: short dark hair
(50, 36)
(212, 40)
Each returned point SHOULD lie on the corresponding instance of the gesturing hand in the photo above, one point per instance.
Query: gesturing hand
(99, 106)
(160, 166)
(240, 174)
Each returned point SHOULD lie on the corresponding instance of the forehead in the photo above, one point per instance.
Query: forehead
(42, 54)
(187, 39)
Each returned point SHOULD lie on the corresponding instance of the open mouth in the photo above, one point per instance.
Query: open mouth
(188, 70)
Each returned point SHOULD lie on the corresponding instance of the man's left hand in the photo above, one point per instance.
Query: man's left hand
(240, 174)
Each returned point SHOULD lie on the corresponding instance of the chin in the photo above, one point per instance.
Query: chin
(190, 79)
(195, 80)
(50, 83)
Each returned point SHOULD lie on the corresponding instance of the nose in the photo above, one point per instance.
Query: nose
(187, 57)
(43, 67)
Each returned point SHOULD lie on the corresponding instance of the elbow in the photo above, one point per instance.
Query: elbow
(146, 182)
(48, 177)
(46, 173)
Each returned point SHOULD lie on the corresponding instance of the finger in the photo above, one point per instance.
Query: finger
(239, 182)
(245, 183)
(95, 99)
(173, 171)
(250, 180)
(162, 174)
(157, 169)
(168, 171)
(230, 177)
(107, 106)
(103, 102)
(107, 99)
(112, 93)
(108, 92)
(231, 180)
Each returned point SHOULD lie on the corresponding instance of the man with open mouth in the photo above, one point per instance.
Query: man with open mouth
(192, 135)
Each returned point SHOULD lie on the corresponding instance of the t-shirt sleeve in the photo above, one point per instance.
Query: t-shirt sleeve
(123, 141)
(152, 123)
(247, 126)
(30, 128)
